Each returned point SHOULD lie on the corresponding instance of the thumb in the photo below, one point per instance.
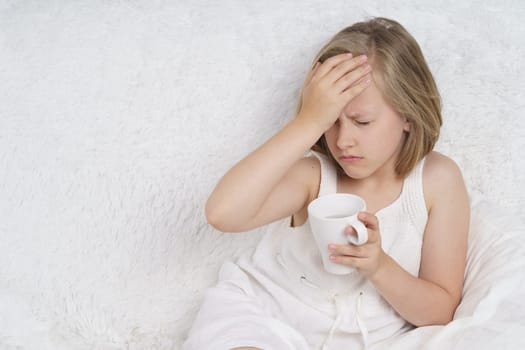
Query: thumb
(369, 219)
(312, 72)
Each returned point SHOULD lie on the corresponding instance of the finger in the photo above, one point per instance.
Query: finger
(333, 62)
(311, 73)
(347, 260)
(350, 231)
(362, 79)
(353, 77)
(353, 236)
(369, 219)
(346, 67)
(356, 89)
(361, 251)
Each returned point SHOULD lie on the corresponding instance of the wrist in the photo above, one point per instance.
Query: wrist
(382, 267)
(300, 135)
(311, 122)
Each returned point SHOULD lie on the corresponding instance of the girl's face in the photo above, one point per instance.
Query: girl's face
(368, 136)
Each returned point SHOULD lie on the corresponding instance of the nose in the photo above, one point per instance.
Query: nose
(346, 136)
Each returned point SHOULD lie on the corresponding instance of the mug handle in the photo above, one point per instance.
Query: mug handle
(362, 232)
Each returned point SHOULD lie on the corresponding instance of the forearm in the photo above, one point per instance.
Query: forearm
(418, 301)
(242, 191)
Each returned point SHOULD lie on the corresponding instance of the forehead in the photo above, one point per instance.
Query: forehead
(370, 100)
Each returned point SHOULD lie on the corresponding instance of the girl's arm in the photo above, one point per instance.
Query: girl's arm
(433, 297)
(274, 182)
(271, 183)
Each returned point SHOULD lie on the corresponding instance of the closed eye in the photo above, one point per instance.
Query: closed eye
(359, 122)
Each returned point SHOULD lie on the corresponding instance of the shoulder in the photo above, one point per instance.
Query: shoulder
(306, 173)
(440, 169)
(304, 177)
(442, 178)
(438, 165)
(307, 170)
(307, 167)
(310, 161)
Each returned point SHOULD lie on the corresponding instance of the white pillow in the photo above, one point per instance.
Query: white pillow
(491, 314)
(495, 261)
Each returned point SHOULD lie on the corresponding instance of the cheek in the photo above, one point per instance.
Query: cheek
(391, 138)
(330, 137)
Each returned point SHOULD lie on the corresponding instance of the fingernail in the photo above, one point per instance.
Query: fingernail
(364, 58)
(331, 247)
(349, 54)
(332, 257)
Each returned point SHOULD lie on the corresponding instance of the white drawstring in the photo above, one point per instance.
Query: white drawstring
(339, 305)
(339, 301)
(360, 322)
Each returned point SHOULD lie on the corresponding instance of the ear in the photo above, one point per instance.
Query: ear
(408, 125)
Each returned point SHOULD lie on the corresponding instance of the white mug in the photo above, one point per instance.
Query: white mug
(329, 216)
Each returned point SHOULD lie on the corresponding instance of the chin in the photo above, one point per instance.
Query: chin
(354, 174)
(355, 177)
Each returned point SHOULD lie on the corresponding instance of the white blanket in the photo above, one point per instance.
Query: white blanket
(118, 118)
(492, 312)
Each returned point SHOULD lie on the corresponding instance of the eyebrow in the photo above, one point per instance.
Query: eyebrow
(356, 115)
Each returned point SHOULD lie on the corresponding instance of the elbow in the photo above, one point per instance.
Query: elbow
(213, 217)
(443, 320)
(441, 316)
(434, 320)
(437, 320)
(218, 219)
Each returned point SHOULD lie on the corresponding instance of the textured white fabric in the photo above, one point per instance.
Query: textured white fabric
(233, 315)
(491, 312)
(290, 283)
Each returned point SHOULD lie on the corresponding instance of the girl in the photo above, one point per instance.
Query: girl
(371, 113)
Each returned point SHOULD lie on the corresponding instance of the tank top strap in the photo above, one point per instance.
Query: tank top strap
(413, 197)
(328, 183)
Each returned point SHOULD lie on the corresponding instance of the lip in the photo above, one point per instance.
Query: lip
(350, 158)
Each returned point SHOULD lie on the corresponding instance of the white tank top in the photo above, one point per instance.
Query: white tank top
(287, 263)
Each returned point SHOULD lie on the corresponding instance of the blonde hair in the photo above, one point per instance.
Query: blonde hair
(408, 84)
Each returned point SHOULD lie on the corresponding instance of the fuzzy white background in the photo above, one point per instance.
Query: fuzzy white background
(118, 117)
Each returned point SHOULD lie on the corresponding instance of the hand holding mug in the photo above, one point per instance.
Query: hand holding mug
(367, 258)
(329, 216)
